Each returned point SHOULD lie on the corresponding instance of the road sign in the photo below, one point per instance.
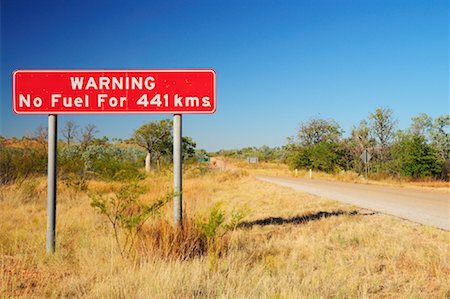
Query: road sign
(365, 156)
(53, 92)
(252, 160)
(203, 159)
(174, 91)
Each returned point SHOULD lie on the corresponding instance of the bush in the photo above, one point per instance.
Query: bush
(413, 157)
(322, 156)
(204, 236)
(21, 163)
(125, 213)
(70, 162)
(108, 162)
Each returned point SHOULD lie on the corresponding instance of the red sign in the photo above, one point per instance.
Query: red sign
(114, 91)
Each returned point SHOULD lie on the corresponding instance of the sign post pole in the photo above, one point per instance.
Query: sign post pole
(177, 169)
(365, 157)
(51, 182)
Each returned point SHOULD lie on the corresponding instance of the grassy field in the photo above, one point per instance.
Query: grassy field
(286, 244)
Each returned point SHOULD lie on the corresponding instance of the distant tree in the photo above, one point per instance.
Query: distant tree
(156, 138)
(421, 125)
(324, 157)
(414, 157)
(319, 130)
(117, 140)
(40, 135)
(69, 131)
(188, 148)
(361, 137)
(359, 141)
(440, 136)
(87, 135)
(100, 141)
(382, 128)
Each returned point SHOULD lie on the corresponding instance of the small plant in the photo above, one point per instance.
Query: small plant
(215, 220)
(237, 214)
(28, 189)
(126, 213)
(76, 183)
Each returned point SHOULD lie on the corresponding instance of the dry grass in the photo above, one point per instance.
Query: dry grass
(290, 245)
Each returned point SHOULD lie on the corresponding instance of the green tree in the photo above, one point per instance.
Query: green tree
(318, 130)
(188, 147)
(414, 157)
(324, 156)
(156, 138)
(359, 141)
(440, 136)
(382, 128)
(421, 124)
(299, 158)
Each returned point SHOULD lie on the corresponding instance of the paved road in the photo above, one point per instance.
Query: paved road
(426, 207)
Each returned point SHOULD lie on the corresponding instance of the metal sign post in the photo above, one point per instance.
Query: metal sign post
(51, 201)
(365, 157)
(177, 170)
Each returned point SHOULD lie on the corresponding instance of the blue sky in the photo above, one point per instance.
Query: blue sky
(278, 63)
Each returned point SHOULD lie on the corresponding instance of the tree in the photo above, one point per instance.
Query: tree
(156, 138)
(382, 126)
(188, 147)
(421, 125)
(440, 136)
(414, 157)
(318, 130)
(359, 141)
(40, 134)
(87, 135)
(69, 131)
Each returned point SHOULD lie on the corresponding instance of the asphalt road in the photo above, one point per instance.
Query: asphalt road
(426, 207)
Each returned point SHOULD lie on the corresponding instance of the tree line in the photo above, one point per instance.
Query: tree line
(422, 150)
(81, 154)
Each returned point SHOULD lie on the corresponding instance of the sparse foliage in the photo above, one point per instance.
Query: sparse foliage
(87, 135)
(440, 136)
(382, 128)
(40, 134)
(69, 131)
(126, 213)
(421, 125)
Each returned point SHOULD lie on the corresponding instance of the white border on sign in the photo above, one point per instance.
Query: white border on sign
(111, 71)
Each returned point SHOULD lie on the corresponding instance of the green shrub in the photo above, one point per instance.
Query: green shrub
(413, 157)
(18, 163)
(126, 213)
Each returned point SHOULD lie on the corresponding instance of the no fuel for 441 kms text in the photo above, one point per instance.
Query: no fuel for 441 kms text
(165, 100)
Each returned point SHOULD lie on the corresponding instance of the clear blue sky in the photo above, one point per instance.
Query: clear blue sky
(278, 62)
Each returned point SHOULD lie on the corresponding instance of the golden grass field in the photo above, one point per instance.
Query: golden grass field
(289, 245)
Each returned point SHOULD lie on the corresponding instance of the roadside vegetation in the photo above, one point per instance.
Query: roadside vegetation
(241, 238)
(420, 152)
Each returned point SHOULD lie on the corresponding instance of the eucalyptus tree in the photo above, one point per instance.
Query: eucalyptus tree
(156, 138)
(382, 128)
